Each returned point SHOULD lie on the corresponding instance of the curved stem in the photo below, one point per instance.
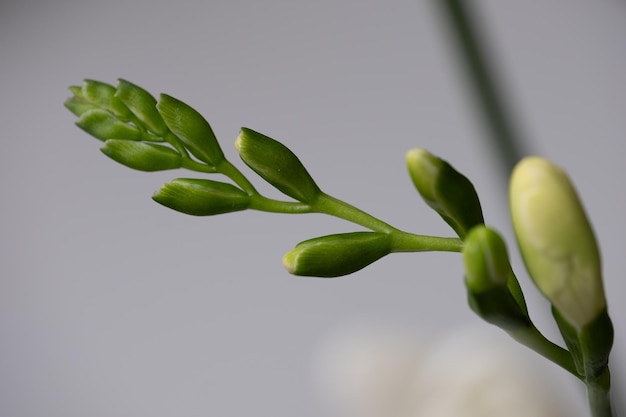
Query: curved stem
(232, 172)
(409, 242)
(258, 202)
(532, 338)
(400, 241)
(173, 140)
(192, 165)
(330, 205)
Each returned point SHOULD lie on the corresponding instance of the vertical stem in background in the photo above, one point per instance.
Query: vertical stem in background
(499, 121)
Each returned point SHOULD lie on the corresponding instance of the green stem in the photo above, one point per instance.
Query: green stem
(401, 241)
(598, 395)
(335, 207)
(532, 338)
(258, 202)
(173, 140)
(192, 165)
(232, 172)
(476, 60)
(409, 242)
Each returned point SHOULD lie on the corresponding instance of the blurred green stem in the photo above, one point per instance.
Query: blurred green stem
(476, 62)
(532, 338)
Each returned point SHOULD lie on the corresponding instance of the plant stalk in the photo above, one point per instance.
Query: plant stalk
(598, 395)
(503, 135)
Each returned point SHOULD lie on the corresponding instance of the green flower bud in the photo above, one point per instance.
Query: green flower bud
(142, 105)
(556, 240)
(103, 96)
(336, 255)
(200, 197)
(486, 260)
(142, 156)
(276, 164)
(191, 128)
(445, 190)
(103, 125)
(493, 291)
(77, 104)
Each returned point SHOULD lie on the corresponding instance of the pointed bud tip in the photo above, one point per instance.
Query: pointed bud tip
(289, 262)
(423, 166)
(417, 154)
(239, 139)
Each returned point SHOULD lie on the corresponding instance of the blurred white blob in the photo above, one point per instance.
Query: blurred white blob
(367, 371)
(370, 371)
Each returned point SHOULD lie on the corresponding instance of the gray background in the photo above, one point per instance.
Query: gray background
(111, 305)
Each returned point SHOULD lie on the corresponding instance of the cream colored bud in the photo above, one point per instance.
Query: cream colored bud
(556, 240)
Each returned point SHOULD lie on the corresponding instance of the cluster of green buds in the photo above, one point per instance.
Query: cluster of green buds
(553, 233)
(149, 135)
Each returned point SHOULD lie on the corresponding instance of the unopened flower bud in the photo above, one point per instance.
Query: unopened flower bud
(77, 104)
(191, 128)
(493, 291)
(103, 96)
(556, 240)
(103, 125)
(200, 197)
(142, 105)
(486, 260)
(336, 255)
(445, 190)
(276, 164)
(142, 156)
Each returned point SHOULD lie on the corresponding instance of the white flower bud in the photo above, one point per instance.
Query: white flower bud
(556, 240)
